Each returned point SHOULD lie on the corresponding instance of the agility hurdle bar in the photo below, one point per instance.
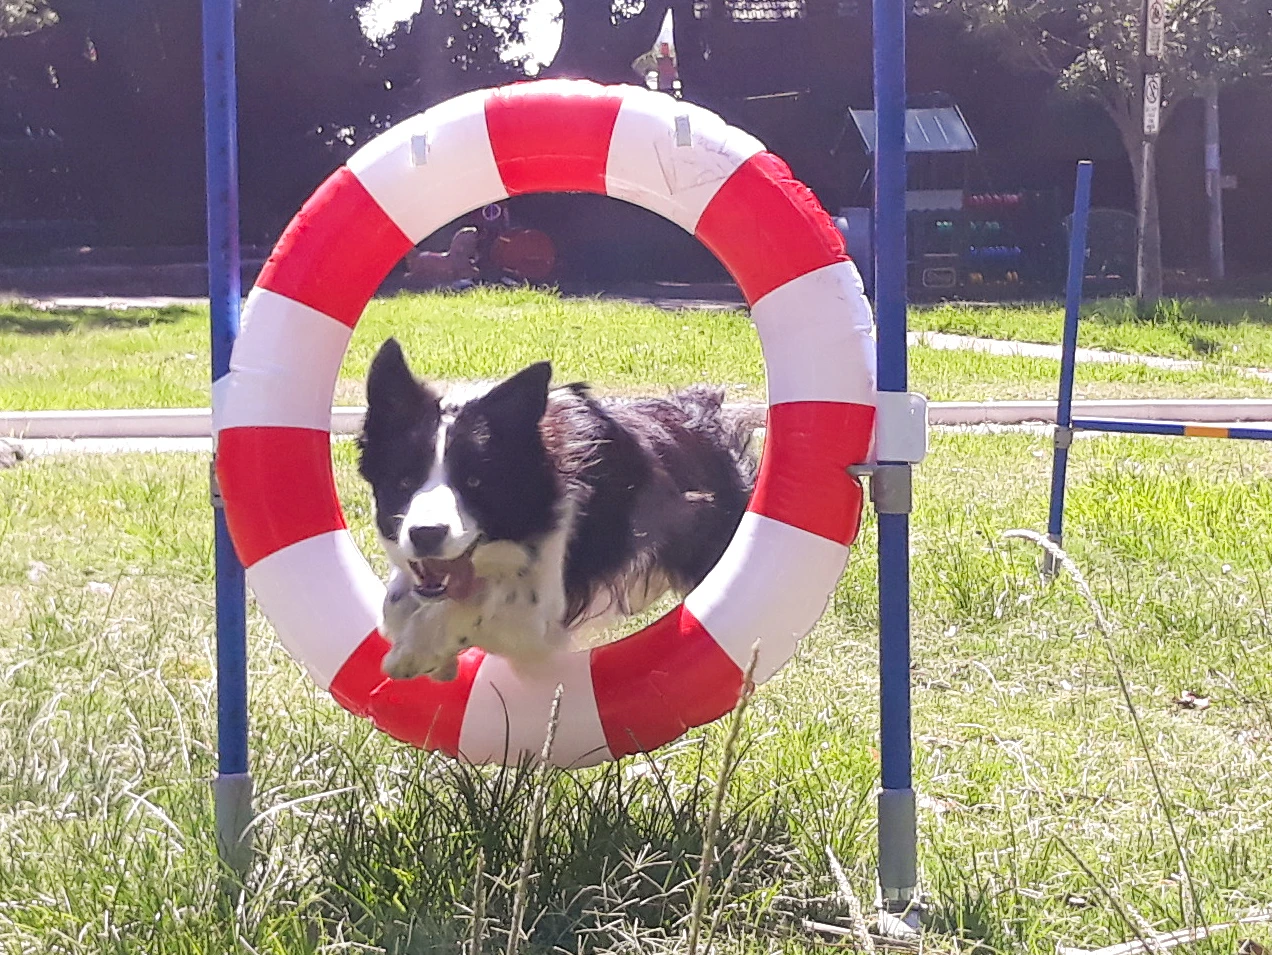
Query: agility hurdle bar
(1066, 424)
(1179, 429)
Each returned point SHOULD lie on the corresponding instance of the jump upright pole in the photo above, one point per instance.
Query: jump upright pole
(1063, 438)
(233, 784)
(890, 486)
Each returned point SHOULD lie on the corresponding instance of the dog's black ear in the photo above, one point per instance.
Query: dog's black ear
(391, 388)
(523, 397)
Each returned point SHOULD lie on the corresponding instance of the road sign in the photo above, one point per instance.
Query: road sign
(1155, 40)
(1152, 103)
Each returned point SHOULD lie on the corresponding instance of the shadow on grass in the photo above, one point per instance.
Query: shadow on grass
(614, 867)
(1174, 311)
(25, 320)
(1201, 324)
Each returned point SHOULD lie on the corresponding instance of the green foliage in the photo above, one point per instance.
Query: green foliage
(117, 87)
(1093, 47)
(21, 17)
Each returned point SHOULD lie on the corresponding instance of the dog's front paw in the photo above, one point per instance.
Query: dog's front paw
(401, 663)
(400, 606)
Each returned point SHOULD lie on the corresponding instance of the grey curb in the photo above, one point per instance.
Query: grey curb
(197, 422)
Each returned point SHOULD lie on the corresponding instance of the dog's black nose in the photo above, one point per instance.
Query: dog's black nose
(427, 538)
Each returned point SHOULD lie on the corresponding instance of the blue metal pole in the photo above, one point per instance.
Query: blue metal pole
(891, 484)
(233, 786)
(1068, 355)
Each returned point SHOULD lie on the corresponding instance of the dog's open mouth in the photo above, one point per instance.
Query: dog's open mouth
(455, 579)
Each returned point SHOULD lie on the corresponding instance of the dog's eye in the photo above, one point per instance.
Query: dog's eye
(473, 481)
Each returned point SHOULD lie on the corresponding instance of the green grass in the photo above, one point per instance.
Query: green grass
(1029, 773)
(1235, 332)
(158, 358)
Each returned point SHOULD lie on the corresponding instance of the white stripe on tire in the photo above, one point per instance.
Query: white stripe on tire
(672, 171)
(817, 332)
(433, 167)
(322, 598)
(509, 711)
(284, 367)
(772, 584)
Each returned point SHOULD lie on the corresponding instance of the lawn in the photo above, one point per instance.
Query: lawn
(156, 358)
(1040, 818)
(1236, 332)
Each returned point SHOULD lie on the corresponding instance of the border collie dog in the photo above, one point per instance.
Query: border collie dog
(515, 514)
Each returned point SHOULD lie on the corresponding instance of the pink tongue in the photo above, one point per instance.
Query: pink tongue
(463, 582)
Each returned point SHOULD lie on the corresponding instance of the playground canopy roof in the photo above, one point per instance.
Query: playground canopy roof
(934, 130)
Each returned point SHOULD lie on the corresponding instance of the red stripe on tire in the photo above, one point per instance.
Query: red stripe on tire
(802, 480)
(767, 227)
(336, 251)
(419, 712)
(654, 685)
(360, 676)
(278, 488)
(550, 140)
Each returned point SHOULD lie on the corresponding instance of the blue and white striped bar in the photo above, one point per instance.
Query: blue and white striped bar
(1177, 428)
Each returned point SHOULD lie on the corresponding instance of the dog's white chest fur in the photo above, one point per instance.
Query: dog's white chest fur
(517, 613)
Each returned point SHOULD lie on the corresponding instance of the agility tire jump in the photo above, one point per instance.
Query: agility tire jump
(272, 414)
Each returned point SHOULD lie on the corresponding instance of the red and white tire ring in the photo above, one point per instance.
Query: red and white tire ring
(273, 414)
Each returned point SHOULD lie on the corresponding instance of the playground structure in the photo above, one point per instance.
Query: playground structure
(960, 239)
(1066, 424)
(820, 423)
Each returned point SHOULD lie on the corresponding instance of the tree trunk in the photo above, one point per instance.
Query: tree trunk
(1214, 181)
(1148, 239)
(432, 28)
(595, 48)
(1148, 258)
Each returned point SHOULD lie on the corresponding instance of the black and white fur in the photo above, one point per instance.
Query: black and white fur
(515, 514)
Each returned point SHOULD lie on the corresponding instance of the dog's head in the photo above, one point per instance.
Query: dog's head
(452, 478)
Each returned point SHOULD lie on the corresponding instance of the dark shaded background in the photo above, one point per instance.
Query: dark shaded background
(101, 120)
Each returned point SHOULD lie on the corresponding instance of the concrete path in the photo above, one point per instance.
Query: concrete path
(37, 447)
(115, 303)
(195, 423)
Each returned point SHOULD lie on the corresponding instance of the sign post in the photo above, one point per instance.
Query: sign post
(1152, 104)
(1153, 32)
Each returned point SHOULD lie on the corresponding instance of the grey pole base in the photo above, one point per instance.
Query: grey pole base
(232, 797)
(1051, 565)
(898, 902)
